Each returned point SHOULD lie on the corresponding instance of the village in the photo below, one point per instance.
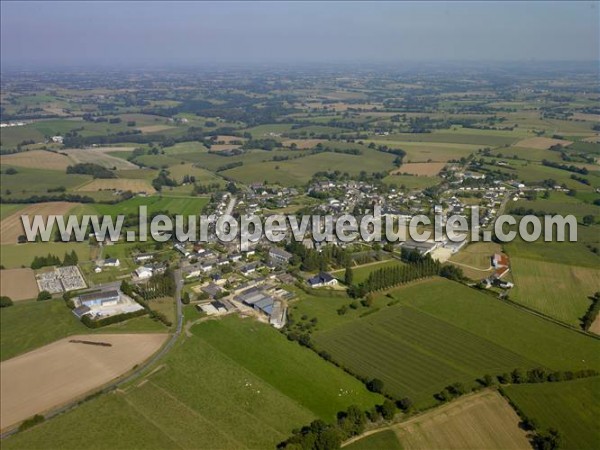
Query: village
(222, 278)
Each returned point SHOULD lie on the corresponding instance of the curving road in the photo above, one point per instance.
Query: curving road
(133, 375)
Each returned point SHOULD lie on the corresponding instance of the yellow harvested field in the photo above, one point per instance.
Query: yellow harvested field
(225, 139)
(588, 117)
(154, 128)
(18, 284)
(422, 169)
(341, 106)
(37, 159)
(63, 371)
(223, 147)
(101, 157)
(12, 227)
(302, 144)
(592, 139)
(541, 143)
(480, 421)
(118, 184)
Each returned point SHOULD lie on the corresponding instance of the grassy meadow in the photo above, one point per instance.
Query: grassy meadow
(210, 392)
(28, 325)
(438, 332)
(571, 407)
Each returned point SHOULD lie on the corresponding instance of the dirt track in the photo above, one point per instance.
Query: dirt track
(62, 371)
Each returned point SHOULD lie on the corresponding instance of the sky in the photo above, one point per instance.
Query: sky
(193, 33)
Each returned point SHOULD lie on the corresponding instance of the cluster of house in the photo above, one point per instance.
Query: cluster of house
(12, 124)
(501, 265)
(108, 262)
(147, 267)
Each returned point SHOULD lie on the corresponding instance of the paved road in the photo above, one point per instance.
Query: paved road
(140, 369)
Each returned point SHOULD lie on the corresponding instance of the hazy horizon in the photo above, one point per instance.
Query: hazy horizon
(55, 34)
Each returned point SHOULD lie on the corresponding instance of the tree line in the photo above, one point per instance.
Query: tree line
(96, 170)
(592, 313)
(569, 168)
(70, 259)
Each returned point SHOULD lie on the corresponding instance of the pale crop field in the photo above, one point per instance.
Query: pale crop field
(18, 284)
(101, 157)
(37, 159)
(482, 420)
(420, 169)
(62, 371)
(118, 184)
(12, 227)
(542, 143)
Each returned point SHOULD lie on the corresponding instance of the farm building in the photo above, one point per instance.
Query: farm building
(143, 257)
(499, 260)
(213, 308)
(181, 249)
(104, 304)
(264, 305)
(106, 298)
(422, 247)
(322, 279)
(278, 315)
(212, 290)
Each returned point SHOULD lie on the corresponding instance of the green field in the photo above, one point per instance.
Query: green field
(441, 332)
(13, 256)
(559, 203)
(459, 136)
(300, 170)
(411, 181)
(28, 182)
(559, 290)
(532, 172)
(414, 354)
(570, 253)
(7, 209)
(361, 273)
(155, 203)
(28, 325)
(572, 407)
(212, 392)
(430, 151)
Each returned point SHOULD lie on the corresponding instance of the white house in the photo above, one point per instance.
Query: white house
(143, 273)
(322, 279)
(112, 262)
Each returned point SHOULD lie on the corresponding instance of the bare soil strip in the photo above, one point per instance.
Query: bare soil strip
(18, 284)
